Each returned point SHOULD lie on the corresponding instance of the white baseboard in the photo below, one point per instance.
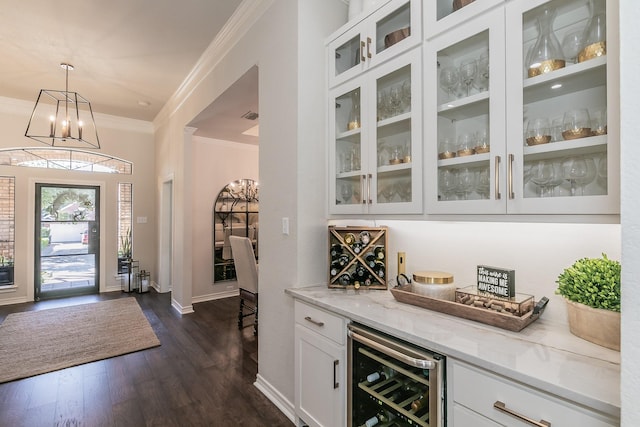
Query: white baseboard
(217, 295)
(281, 402)
(181, 309)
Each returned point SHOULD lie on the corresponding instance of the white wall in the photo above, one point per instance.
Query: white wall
(630, 159)
(127, 139)
(215, 164)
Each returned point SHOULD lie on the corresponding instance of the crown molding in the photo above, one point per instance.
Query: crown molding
(25, 108)
(244, 17)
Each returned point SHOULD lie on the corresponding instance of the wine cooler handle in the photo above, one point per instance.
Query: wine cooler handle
(335, 374)
(510, 177)
(497, 178)
(362, 46)
(369, 188)
(315, 322)
(409, 360)
(500, 406)
(362, 184)
(369, 47)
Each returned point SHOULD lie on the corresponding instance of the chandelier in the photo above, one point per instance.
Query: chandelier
(63, 118)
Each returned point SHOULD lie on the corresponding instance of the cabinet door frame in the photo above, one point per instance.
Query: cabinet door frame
(493, 22)
(597, 204)
(365, 30)
(337, 396)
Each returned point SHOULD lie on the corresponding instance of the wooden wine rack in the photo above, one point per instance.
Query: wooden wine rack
(341, 236)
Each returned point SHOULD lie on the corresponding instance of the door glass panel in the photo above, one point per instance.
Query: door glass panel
(393, 28)
(347, 55)
(348, 148)
(393, 140)
(68, 240)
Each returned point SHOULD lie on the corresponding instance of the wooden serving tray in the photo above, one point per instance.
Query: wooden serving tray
(501, 320)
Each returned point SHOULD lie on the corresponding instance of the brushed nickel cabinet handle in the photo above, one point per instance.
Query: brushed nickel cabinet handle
(500, 406)
(315, 322)
(369, 188)
(510, 177)
(369, 47)
(362, 46)
(497, 178)
(362, 184)
(335, 374)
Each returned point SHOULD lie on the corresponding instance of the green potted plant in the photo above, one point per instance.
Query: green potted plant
(591, 287)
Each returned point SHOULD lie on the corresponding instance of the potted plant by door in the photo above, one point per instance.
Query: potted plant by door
(591, 287)
(124, 254)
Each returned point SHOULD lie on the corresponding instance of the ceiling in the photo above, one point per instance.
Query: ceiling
(130, 56)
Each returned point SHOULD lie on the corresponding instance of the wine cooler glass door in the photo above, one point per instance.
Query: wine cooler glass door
(391, 382)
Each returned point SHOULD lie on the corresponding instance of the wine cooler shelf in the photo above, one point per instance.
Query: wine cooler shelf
(402, 395)
(357, 257)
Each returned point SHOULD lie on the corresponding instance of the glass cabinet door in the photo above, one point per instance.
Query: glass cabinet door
(395, 183)
(346, 149)
(564, 155)
(443, 15)
(465, 69)
(390, 30)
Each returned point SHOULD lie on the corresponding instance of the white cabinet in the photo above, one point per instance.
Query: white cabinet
(493, 398)
(375, 146)
(485, 158)
(320, 367)
(388, 31)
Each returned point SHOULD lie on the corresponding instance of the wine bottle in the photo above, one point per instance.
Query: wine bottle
(379, 251)
(335, 268)
(357, 247)
(343, 260)
(349, 238)
(344, 279)
(370, 258)
(365, 237)
(383, 374)
(336, 250)
(380, 269)
(360, 273)
(420, 403)
(381, 417)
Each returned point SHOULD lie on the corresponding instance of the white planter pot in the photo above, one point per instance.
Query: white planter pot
(598, 326)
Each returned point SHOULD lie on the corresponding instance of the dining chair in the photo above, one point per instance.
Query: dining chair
(247, 276)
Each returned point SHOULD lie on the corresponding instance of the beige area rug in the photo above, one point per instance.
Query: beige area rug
(35, 342)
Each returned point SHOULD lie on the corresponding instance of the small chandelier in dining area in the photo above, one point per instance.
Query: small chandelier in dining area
(62, 118)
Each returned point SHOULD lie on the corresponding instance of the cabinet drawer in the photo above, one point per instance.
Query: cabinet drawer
(326, 324)
(479, 390)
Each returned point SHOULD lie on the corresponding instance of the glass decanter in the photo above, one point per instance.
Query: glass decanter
(595, 34)
(354, 114)
(546, 54)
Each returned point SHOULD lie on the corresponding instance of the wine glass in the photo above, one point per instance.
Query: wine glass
(346, 191)
(541, 174)
(538, 131)
(466, 182)
(395, 99)
(557, 177)
(448, 183)
(468, 73)
(406, 96)
(387, 193)
(602, 170)
(482, 82)
(576, 124)
(572, 44)
(483, 182)
(449, 79)
(579, 172)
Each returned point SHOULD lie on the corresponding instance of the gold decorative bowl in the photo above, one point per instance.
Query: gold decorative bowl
(395, 161)
(480, 149)
(465, 152)
(576, 133)
(395, 36)
(538, 140)
(600, 131)
(447, 155)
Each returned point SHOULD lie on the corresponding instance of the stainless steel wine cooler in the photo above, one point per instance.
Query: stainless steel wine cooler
(393, 383)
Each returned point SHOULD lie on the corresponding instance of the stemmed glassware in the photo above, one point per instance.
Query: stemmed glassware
(468, 73)
(572, 44)
(483, 182)
(449, 79)
(579, 172)
(448, 183)
(466, 182)
(346, 191)
(482, 82)
(541, 174)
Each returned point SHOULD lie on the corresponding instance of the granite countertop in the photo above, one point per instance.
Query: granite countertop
(544, 355)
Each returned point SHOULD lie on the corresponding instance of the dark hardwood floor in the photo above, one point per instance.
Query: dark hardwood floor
(201, 375)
